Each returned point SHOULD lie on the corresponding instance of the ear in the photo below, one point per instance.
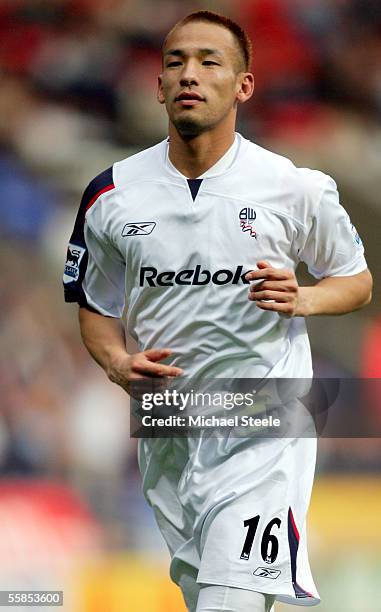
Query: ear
(245, 87)
(160, 93)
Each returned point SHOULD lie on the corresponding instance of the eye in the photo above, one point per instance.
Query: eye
(210, 63)
(173, 64)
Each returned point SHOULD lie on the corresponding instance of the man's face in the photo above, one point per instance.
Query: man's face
(200, 78)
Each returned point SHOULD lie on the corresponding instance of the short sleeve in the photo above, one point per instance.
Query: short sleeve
(332, 246)
(94, 273)
(104, 280)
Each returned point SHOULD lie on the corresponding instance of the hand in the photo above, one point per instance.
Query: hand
(127, 370)
(276, 284)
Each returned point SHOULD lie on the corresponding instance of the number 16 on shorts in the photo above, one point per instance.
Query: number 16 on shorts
(269, 544)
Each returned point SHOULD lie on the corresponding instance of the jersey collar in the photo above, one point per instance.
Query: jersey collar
(221, 166)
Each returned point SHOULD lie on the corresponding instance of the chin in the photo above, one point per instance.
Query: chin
(189, 127)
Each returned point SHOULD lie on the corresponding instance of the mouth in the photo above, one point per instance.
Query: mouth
(189, 98)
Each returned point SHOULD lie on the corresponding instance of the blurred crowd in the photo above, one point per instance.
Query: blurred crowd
(77, 92)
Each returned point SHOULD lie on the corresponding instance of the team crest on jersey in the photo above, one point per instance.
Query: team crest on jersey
(73, 259)
(140, 228)
(246, 218)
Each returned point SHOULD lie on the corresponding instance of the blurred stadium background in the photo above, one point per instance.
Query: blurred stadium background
(77, 91)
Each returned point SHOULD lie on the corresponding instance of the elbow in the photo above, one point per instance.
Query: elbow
(369, 298)
(368, 288)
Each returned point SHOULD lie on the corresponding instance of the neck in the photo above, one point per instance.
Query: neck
(194, 156)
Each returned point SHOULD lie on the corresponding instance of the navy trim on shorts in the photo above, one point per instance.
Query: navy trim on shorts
(293, 541)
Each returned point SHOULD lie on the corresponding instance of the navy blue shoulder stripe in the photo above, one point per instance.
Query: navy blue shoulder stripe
(102, 183)
(77, 254)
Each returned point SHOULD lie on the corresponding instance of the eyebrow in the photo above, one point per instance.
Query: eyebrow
(180, 53)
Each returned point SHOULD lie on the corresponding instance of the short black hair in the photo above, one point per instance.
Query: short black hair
(243, 41)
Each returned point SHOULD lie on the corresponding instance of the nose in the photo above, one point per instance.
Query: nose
(188, 75)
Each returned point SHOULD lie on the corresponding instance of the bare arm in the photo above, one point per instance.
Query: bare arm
(335, 295)
(330, 296)
(105, 341)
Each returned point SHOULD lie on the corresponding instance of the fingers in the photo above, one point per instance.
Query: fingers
(260, 286)
(283, 308)
(273, 289)
(263, 264)
(143, 371)
(157, 354)
(269, 273)
(277, 296)
(149, 368)
(280, 291)
(146, 364)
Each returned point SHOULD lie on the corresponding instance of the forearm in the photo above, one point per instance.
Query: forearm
(105, 340)
(103, 337)
(335, 295)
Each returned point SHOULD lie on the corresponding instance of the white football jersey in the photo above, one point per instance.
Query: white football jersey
(173, 253)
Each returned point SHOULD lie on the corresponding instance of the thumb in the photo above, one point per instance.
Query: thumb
(263, 264)
(156, 354)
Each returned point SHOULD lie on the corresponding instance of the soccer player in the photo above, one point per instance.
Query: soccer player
(197, 240)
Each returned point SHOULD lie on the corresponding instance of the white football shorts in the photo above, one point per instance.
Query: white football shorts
(233, 512)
